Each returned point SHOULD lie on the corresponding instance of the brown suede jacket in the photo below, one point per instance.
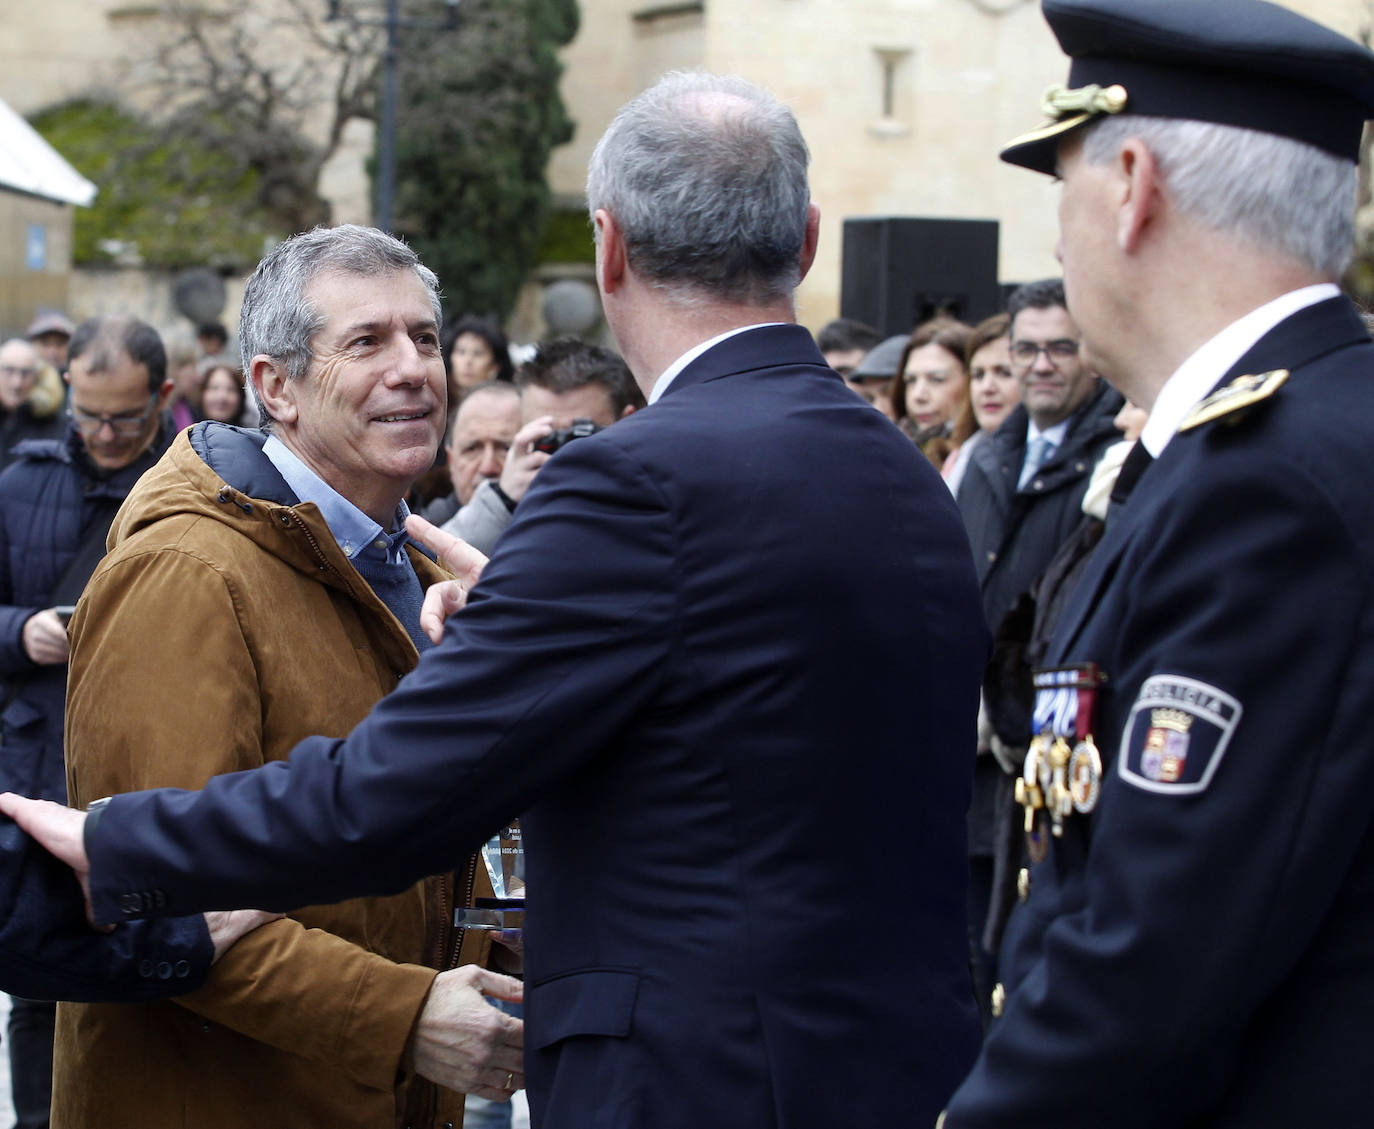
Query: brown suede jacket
(225, 625)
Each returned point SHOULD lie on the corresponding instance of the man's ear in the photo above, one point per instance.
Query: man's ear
(810, 240)
(164, 394)
(610, 252)
(1140, 198)
(275, 389)
(628, 410)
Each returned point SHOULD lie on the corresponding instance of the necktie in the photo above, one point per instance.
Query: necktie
(1137, 463)
(1038, 450)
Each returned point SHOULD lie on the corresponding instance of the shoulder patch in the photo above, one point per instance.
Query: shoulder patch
(1176, 735)
(1239, 394)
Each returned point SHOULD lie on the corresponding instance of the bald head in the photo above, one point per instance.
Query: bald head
(483, 427)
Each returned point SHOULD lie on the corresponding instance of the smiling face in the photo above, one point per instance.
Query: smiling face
(993, 386)
(1054, 379)
(369, 414)
(936, 385)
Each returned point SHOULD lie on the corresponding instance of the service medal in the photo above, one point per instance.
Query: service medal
(1063, 769)
(1085, 775)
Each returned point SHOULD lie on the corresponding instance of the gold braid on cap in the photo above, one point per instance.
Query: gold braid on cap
(1061, 102)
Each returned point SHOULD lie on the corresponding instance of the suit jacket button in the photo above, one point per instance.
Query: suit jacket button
(129, 903)
(164, 970)
(182, 969)
(159, 899)
(145, 968)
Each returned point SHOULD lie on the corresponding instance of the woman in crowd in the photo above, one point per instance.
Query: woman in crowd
(930, 387)
(993, 392)
(221, 390)
(477, 351)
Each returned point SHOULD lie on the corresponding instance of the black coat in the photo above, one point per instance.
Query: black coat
(49, 497)
(1014, 534)
(1196, 950)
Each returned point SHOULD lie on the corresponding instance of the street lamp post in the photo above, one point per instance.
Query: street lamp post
(386, 127)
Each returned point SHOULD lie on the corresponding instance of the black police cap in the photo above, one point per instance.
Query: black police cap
(1233, 62)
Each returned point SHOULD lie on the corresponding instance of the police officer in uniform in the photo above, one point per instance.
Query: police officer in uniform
(1195, 943)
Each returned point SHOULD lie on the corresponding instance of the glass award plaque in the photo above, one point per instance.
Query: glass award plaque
(504, 857)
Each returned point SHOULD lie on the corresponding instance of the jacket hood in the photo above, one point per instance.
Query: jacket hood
(218, 471)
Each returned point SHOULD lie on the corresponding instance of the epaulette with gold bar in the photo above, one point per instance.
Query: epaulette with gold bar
(1241, 393)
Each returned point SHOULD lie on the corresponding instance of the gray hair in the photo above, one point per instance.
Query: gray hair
(706, 177)
(1272, 193)
(276, 319)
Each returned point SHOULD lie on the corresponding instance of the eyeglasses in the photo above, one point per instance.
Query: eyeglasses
(1061, 349)
(120, 425)
(9, 372)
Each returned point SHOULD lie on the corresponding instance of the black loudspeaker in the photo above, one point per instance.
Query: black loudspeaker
(899, 271)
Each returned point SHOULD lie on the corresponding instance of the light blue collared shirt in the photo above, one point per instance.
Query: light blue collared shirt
(355, 532)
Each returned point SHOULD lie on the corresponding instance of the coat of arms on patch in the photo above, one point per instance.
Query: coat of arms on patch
(1176, 735)
(1166, 745)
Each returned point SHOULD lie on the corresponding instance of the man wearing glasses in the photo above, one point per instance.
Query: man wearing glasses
(57, 500)
(1022, 498)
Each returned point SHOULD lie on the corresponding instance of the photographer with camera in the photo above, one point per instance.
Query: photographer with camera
(568, 390)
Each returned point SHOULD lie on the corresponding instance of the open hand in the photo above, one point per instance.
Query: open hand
(456, 555)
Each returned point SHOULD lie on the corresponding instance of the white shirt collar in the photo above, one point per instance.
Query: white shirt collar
(1198, 375)
(670, 373)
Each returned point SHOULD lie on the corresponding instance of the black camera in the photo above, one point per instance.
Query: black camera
(580, 429)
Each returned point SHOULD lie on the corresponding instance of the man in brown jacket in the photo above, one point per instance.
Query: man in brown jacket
(259, 589)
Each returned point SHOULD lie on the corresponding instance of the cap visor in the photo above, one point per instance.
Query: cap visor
(1039, 149)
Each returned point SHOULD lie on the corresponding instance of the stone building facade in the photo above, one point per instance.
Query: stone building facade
(904, 102)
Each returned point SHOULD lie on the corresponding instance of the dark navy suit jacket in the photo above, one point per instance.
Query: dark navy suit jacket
(725, 661)
(1198, 951)
(48, 950)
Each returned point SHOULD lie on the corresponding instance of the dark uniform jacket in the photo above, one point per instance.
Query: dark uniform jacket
(1197, 950)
